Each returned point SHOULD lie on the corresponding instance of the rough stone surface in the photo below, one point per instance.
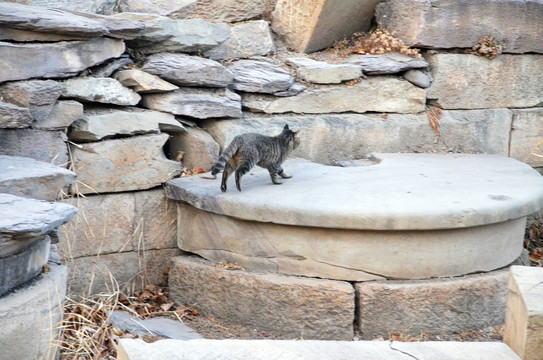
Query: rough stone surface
(35, 179)
(186, 70)
(454, 24)
(253, 38)
(108, 68)
(13, 116)
(196, 103)
(309, 26)
(526, 136)
(41, 145)
(38, 96)
(524, 315)
(509, 81)
(471, 131)
(104, 123)
(62, 115)
(437, 306)
(290, 306)
(100, 90)
(65, 59)
(198, 147)
(136, 349)
(380, 94)
(162, 34)
(136, 163)
(117, 27)
(86, 6)
(31, 316)
(293, 90)
(418, 78)
(259, 76)
(390, 63)
(143, 82)
(320, 72)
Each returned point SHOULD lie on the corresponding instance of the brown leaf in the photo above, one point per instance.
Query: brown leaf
(198, 170)
(166, 306)
(434, 114)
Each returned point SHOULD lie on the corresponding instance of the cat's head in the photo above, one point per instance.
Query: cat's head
(292, 137)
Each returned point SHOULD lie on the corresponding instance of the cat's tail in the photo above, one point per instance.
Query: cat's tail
(230, 150)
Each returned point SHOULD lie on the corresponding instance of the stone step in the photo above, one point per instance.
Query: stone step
(130, 349)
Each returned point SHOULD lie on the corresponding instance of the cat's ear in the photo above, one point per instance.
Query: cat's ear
(286, 127)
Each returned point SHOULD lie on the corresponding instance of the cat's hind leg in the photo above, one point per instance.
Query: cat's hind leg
(282, 173)
(228, 170)
(242, 170)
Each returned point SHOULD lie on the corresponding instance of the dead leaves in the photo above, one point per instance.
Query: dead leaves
(434, 114)
(534, 240)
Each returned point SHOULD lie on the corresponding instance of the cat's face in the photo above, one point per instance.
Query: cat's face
(292, 136)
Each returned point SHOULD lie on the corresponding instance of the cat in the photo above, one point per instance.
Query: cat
(250, 149)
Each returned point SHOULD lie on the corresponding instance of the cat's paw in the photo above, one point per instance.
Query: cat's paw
(223, 188)
(277, 182)
(284, 175)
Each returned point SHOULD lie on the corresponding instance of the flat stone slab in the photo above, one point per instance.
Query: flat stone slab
(135, 349)
(397, 192)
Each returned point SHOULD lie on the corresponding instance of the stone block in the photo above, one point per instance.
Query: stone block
(41, 145)
(418, 78)
(436, 306)
(389, 63)
(13, 116)
(320, 72)
(63, 114)
(100, 90)
(309, 26)
(259, 76)
(38, 96)
(142, 82)
(524, 314)
(135, 163)
(526, 136)
(198, 147)
(514, 81)
(453, 24)
(293, 307)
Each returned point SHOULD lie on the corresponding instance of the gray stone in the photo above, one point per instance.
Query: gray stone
(259, 76)
(136, 349)
(436, 306)
(509, 81)
(13, 116)
(104, 123)
(117, 27)
(199, 149)
(41, 145)
(86, 6)
(460, 25)
(108, 68)
(63, 114)
(135, 163)
(418, 78)
(526, 136)
(38, 96)
(143, 82)
(34, 179)
(186, 70)
(320, 72)
(293, 90)
(162, 34)
(309, 26)
(461, 131)
(101, 90)
(390, 63)
(65, 59)
(31, 317)
(381, 94)
(293, 307)
(196, 103)
(253, 38)
(18, 35)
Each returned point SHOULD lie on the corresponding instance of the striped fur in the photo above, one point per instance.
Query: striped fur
(247, 150)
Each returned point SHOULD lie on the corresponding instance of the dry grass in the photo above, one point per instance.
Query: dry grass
(533, 240)
(487, 47)
(378, 42)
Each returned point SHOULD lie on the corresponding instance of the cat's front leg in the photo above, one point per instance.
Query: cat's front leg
(283, 174)
(273, 175)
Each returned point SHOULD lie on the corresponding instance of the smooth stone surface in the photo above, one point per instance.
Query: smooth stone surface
(259, 76)
(100, 90)
(390, 63)
(320, 72)
(143, 82)
(418, 78)
(500, 189)
(526, 136)
(27, 177)
(42, 145)
(62, 115)
(130, 349)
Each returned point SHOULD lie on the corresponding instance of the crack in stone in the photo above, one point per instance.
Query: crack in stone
(403, 352)
(534, 286)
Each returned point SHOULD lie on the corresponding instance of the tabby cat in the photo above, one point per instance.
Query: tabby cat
(247, 150)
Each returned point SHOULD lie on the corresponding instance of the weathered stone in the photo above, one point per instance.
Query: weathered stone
(309, 26)
(320, 72)
(41, 145)
(101, 90)
(104, 123)
(524, 313)
(253, 38)
(143, 82)
(85, 6)
(259, 76)
(117, 27)
(32, 315)
(186, 70)
(35, 179)
(293, 307)
(108, 68)
(162, 34)
(390, 63)
(198, 147)
(381, 94)
(155, 220)
(65, 59)
(468, 131)
(436, 306)
(63, 114)
(13, 116)
(38, 96)
(526, 136)
(19, 35)
(454, 24)
(196, 103)
(293, 90)
(508, 80)
(418, 78)
(135, 163)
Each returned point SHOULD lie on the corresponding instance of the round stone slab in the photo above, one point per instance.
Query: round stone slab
(397, 192)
